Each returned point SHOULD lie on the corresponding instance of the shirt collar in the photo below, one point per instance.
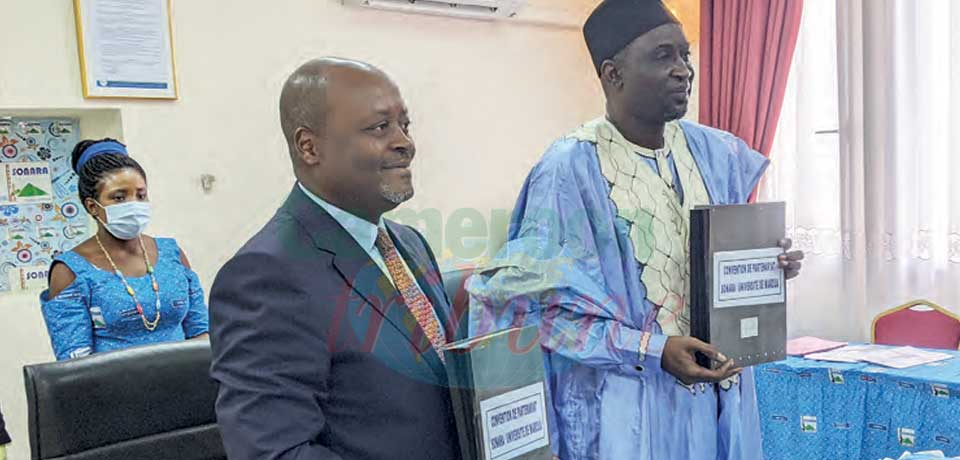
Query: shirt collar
(364, 232)
(671, 134)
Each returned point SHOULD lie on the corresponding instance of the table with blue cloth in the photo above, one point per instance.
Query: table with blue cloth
(812, 410)
(937, 455)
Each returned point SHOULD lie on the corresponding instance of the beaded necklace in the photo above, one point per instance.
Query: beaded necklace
(150, 325)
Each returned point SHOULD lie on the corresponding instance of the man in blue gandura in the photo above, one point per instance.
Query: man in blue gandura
(597, 254)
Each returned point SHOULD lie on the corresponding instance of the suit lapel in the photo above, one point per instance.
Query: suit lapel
(359, 271)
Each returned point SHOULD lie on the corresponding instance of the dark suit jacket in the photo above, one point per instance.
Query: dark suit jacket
(316, 354)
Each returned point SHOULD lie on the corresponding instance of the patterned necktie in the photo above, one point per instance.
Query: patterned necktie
(416, 301)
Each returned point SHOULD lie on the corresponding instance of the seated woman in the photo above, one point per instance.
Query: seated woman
(119, 288)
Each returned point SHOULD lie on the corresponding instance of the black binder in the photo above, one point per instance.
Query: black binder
(499, 397)
(737, 298)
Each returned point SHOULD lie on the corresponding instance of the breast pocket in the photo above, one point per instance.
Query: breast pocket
(130, 314)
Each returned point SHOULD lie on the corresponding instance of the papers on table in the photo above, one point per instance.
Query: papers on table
(904, 357)
(895, 357)
(802, 346)
(850, 354)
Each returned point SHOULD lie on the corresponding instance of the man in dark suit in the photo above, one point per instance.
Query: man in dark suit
(326, 325)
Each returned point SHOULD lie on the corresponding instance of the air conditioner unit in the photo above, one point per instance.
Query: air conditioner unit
(473, 9)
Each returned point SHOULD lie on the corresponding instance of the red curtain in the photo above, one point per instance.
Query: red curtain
(746, 47)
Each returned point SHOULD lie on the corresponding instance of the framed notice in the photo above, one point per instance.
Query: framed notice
(126, 49)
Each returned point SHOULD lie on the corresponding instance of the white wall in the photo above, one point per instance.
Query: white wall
(487, 99)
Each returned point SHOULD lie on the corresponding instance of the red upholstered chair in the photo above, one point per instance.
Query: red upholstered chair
(919, 323)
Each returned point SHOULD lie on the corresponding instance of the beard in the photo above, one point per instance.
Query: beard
(674, 114)
(674, 111)
(675, 108)
(395, 196)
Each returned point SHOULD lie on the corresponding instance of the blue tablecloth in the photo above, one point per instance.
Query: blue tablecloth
(814, 410)
(924, 456)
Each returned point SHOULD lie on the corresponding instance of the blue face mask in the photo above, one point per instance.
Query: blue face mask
(126, 221)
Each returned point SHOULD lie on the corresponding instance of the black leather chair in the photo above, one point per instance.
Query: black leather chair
(4, 436)
(143, 403)
(454, 284)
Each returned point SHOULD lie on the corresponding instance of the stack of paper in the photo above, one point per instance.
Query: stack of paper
(802, 346)
(904, 357)
(895, 357)
(851, 354)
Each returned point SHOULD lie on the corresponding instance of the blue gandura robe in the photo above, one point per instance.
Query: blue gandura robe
(597, 256)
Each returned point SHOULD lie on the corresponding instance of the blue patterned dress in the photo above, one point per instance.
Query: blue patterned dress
(95, 313)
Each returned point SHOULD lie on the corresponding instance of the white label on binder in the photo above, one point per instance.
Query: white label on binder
(749, 327)
(751, 277)
(514, 423)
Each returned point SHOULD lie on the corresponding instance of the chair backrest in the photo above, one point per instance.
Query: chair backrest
(919, 323)
(151, 402)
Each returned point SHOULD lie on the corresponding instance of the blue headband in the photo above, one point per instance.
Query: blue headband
(100, 148)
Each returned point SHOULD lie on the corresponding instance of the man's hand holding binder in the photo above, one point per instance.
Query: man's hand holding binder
(679, 360)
